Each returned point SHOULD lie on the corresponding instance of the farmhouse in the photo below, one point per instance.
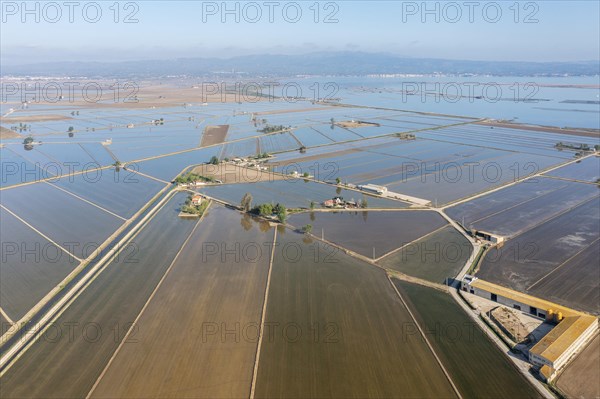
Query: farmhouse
(196, 200)
(572, 331)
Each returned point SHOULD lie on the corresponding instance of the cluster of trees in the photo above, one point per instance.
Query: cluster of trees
(273, 128)
(188, 207)
(584, 147)
(266, 209)
(28, 140)
(73, 113)
(214, 160)
(263, 155)
(191, 177)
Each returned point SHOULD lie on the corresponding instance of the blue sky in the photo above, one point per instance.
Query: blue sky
(539, 31)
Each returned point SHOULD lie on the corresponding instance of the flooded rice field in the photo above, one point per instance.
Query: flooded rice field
(294, 193)
(531, 261)
(347, 320)
(68, 364)
(31, 266)
(207, 293)
(474, 363)
(371, 234)
(523, 206)
(76, 225)
(437, 257)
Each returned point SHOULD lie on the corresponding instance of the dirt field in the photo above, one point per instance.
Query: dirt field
(6, 133)
(543, 129)
(580, 378)
(214, 135)
(33, 118)
(475, 364)
(199, 334)
(355, 124)
(337, 331)
(230, 173)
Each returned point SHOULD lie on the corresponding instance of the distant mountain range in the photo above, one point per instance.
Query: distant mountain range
(323, 63)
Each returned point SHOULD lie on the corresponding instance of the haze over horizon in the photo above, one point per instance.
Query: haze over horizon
(484, 31)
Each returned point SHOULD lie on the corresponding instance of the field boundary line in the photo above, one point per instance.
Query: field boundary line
(564, 263)
(3, 313)
(151, 177)
(426, 340)
(40, 233)
(88, 201)
(262, 321)
(114, 355)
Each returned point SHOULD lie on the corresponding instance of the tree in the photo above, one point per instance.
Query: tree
(305, 174)
(338, 180)
(364, 203)
(71, 128)
(28, 140)
(282, 215)
(332, 121)
(312, 204)
(214, 160)
(307, 229)
(247, 202)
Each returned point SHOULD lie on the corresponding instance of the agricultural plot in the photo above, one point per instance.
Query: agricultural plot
(586, 170)
(576, 280)
(214, 135)
(72, 157)
(526, 261)
(67, 366)
(435, 257)
(335, 324)
(516, 217)
(31, 266)
(474, 363)
(278, 143)
(293, 193)
(124, 192)
(508, 197)
(337, 133)
(73, 224)
(15, 169)
(309, 137)
(244, 148)
(203, 320)
(580, 378)
(98, 153)
(167, 168)
(371, 234)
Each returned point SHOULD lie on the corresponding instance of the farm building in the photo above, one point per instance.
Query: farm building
(493, 238)
(558, 346)
(196, 200)
(551, 353)
(373, 188)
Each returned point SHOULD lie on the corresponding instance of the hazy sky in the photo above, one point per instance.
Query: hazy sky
(477, 30)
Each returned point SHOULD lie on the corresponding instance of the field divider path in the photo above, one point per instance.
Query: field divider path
(12, 354)
(3, 313)
(262, 319)
(393, 251)
(412, 316)
(88, 201)
(124, 340)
